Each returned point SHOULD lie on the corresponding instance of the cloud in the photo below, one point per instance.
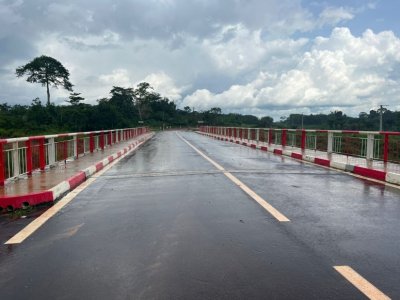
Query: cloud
(165, 86)
(334, 15)
(339, 71)
(259, 56)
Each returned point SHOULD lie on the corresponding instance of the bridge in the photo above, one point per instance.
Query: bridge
(221, 213)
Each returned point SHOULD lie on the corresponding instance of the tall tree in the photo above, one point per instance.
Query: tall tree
(47, 71)
(74, 98)
(142, 93)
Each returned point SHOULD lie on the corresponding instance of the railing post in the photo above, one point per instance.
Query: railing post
(42, 155)
(91, 142)
(303, 140)
(65, 149)
(28, 144)
(75, 146)
(258, 135)
(109, 138)
(52, 151)
(102, 140)
(2, 168)
(386, 148)
(15, 158)
(330, 143)
(283, 138)
(270, 134)
(370, 146)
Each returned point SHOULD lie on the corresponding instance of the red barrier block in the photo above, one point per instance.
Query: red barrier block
(76, 180)
(297, 155)
(253, 146)
(244, 144)
(263, 148)
(110, 158)
(17, 201)
(99, 166)
(375, 174)
(322, 162)
(278, 151)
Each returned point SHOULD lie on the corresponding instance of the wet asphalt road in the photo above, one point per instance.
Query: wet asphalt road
(165, 224)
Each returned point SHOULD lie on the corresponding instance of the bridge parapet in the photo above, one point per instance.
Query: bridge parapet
(373, 154)
(24, 155)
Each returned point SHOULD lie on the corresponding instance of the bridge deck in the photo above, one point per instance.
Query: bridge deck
(171, 222)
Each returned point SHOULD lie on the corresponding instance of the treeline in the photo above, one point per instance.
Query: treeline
(338, 120)
(126, 107)
(132, 107)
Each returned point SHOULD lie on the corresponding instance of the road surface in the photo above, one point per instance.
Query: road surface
(167, 223)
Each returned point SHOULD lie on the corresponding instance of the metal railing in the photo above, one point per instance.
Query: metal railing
(371, 145)
(20, 156)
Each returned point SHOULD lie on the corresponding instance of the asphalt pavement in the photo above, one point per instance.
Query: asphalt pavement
(164, 223)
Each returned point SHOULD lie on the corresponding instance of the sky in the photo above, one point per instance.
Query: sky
(260, 57)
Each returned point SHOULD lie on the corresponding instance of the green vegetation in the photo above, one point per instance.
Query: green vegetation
(132, 107)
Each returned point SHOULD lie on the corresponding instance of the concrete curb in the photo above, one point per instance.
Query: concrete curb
(51, 195)
(380, 175)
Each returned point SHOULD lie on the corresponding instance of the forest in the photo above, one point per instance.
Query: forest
(128, 107)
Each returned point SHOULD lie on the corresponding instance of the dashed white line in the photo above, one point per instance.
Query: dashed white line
(268, 207)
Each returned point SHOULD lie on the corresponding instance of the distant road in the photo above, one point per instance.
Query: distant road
(189, 217)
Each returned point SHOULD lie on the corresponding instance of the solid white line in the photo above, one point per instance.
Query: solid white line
(268, 207)
(367, 288)
(44, 217)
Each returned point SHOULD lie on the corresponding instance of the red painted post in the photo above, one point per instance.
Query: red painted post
(91, 142)
(102, 140)
(271, 134)
(303, 139)
(28, 144)
(2, 169)
(65, 144)
(42, 155)
(386, 148)
(284, 134)
(77, 147)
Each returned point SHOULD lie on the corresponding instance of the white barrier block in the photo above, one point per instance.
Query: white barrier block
(60, 189)
(287, 152)
(105, 162)
(338, 165)
(90, 171)
(309, 158)
(393, 178)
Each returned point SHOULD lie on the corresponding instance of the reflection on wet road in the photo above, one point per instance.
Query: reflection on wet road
(165, 223)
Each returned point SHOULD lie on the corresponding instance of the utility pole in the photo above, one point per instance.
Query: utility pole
(380, 109)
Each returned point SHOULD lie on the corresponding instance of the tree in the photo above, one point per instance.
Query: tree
(75, 98)
(142, 94)
(47, 71)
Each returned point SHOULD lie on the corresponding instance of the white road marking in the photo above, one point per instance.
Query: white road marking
(367, 288)
(44, 217)
(268, 207)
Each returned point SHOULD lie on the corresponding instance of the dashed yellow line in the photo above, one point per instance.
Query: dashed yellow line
(268, 207)
(367, 288)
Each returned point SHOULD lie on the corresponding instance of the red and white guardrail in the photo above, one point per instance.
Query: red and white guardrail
(19, 156)
(371, 145)
(19, 201)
